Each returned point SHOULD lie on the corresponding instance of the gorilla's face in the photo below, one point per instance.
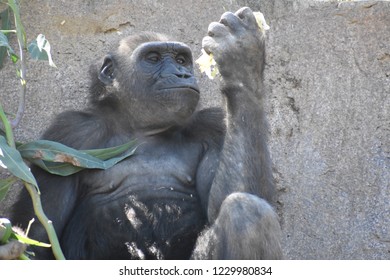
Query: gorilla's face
(166, 72)
(167, 66)
(157, 77)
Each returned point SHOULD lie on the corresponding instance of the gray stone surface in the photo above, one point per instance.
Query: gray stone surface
(328, 80)
(329, 84)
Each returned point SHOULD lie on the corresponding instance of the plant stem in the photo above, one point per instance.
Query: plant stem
(22, 95)
(35, 196)
(47, 224)
(23, 86)
(7, 127)
(21, 35)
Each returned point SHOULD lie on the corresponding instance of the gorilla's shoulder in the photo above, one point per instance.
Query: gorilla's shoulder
(79, 130)
(208, 124)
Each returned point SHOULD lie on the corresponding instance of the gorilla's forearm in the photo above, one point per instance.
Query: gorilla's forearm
(245, 161)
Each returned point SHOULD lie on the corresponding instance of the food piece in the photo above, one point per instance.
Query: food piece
(207, 65)
(263, 26)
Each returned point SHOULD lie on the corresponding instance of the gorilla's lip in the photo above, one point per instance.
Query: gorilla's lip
(178, 87)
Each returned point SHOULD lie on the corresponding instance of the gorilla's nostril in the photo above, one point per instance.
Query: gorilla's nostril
(183, 76)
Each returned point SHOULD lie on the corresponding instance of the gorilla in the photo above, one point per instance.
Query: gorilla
(199, 185)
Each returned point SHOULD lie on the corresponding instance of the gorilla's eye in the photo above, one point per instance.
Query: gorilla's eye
(153, 57)
(181, 59)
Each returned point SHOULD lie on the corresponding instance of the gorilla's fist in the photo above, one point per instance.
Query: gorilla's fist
(237, 44)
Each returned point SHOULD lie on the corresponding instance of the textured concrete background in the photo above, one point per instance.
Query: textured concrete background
(328, 80)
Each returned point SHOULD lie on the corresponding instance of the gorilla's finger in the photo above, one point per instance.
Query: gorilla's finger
(231, 20)
(217, 29)
(209, 44)
(246, 15)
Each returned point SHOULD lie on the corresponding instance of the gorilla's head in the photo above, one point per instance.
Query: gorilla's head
(152, 79)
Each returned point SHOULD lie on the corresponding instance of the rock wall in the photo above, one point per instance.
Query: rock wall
(328, 81)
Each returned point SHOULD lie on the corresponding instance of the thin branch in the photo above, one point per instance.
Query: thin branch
(22, 74)
(7, 127)
(7, 31)
(47, 224)
(23, 87)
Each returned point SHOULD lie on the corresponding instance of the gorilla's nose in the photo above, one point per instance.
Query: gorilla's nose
(174, 71)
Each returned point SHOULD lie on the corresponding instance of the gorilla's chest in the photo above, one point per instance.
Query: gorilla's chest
(155, 165)
(149, 201)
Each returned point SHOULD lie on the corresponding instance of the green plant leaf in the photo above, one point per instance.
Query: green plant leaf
(108, 153)
(29, 241)
(62, 160)
(40, 49)
(2, 133)
(5, 184)
(5, 230)
(4, 43)
(56, 152)
(61, 169)
(5, 25)
(21, 34)
(11, 159)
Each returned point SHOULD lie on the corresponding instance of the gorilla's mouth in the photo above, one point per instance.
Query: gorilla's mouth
(181, 87)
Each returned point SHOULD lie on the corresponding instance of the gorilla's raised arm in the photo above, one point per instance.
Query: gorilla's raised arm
(243, 224)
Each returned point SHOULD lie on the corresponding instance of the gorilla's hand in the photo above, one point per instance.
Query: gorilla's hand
(237, 45)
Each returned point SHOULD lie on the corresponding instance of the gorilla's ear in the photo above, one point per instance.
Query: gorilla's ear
(106, 74)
